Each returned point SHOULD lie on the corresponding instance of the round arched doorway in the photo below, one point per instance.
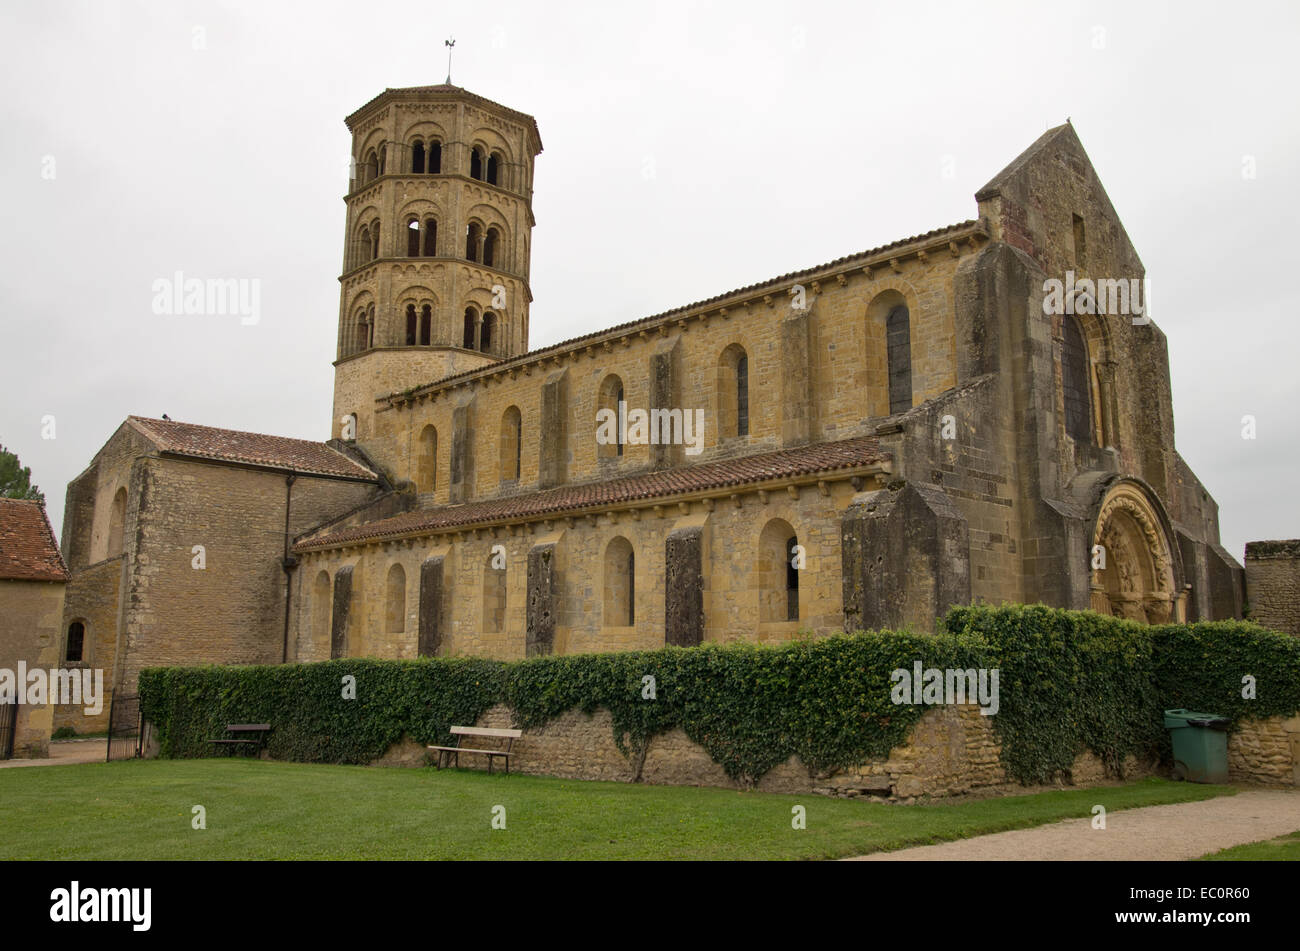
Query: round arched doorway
(1133, 565)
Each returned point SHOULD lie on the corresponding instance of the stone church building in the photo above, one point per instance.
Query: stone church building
(858, 444)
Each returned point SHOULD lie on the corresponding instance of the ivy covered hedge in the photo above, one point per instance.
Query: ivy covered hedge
(1069, 681)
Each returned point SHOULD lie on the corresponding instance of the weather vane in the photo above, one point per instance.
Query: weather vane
(449, 44)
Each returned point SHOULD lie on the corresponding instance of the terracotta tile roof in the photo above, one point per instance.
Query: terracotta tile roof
(228, 445)
(785, 463)
(860, 256)
(28, 551)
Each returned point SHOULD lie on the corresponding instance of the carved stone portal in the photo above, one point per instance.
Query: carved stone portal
(1133, 573)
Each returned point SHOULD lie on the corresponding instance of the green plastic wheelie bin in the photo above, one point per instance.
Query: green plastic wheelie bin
(1200, 745)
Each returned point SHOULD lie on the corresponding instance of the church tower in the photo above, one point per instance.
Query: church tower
(436, 247)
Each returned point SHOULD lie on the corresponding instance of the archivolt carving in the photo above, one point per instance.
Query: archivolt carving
(1137, 581)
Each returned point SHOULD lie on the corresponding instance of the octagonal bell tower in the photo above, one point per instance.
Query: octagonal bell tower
(437, 244)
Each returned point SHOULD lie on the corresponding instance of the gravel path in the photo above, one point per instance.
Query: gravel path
(63, 752)
(1175, 832)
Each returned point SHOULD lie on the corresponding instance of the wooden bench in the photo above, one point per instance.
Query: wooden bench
(245, 729)
(452, 753)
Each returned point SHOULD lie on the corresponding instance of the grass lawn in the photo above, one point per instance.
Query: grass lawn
(1284, 848)
(266, 810)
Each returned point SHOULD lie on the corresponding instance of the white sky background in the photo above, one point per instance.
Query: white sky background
(781, 135)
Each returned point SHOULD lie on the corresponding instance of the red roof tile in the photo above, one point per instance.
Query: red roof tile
(786, 463)
(228, 445)
(28, 551)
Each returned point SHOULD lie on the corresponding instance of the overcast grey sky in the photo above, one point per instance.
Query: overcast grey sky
(779, 135)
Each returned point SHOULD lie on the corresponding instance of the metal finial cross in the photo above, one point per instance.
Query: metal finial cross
(449, 43)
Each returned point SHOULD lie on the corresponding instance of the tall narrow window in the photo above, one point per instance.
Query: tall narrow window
(320, 608)
(791, 579)
(427, 473)
(410, 325)
(363, 249)
(490, 247)
(778, 579)
(76, 643)
(620, 595)
(493, 168)
(395, 608)
(494, 597)
(476, 164)
(435, 158)
(1080, 241)
(417, 158)
(733, 392)
(1075, 383)
(742, 396)
(426, 325)
(361, 336)
(116, 524)
(898, 337)
(489, 326)
(471, 319)
(412, 238)
(472, 235)
(609, 445)
(511, 433)
(430, 238)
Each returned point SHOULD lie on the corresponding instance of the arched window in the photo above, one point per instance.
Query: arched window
(733, 392)
(1075, 382)
(417, 157)
(395, 603)
(430, 237)
(435, 158)
(76, 645)
(372, 166)
(898, 339)
(494, 597)
(476, 163)
(489, 327)
(116, 524)
(494, 168)
(472, 235)
(511, 433)
(321, 608)
(426, 479)
(374, 239)
(490, 245)
(620, 592)
(778, 579)
(370, 327)
(426, 325)
(413, 239)
(608, 397)
(470, 337)
(410, 325)
(361, 336)
(364, 246)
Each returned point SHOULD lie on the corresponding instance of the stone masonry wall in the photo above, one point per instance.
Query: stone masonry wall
(29, 632)
(1273, 584)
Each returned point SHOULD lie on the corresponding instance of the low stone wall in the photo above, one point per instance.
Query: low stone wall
(951, 751)
(1266, 752)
